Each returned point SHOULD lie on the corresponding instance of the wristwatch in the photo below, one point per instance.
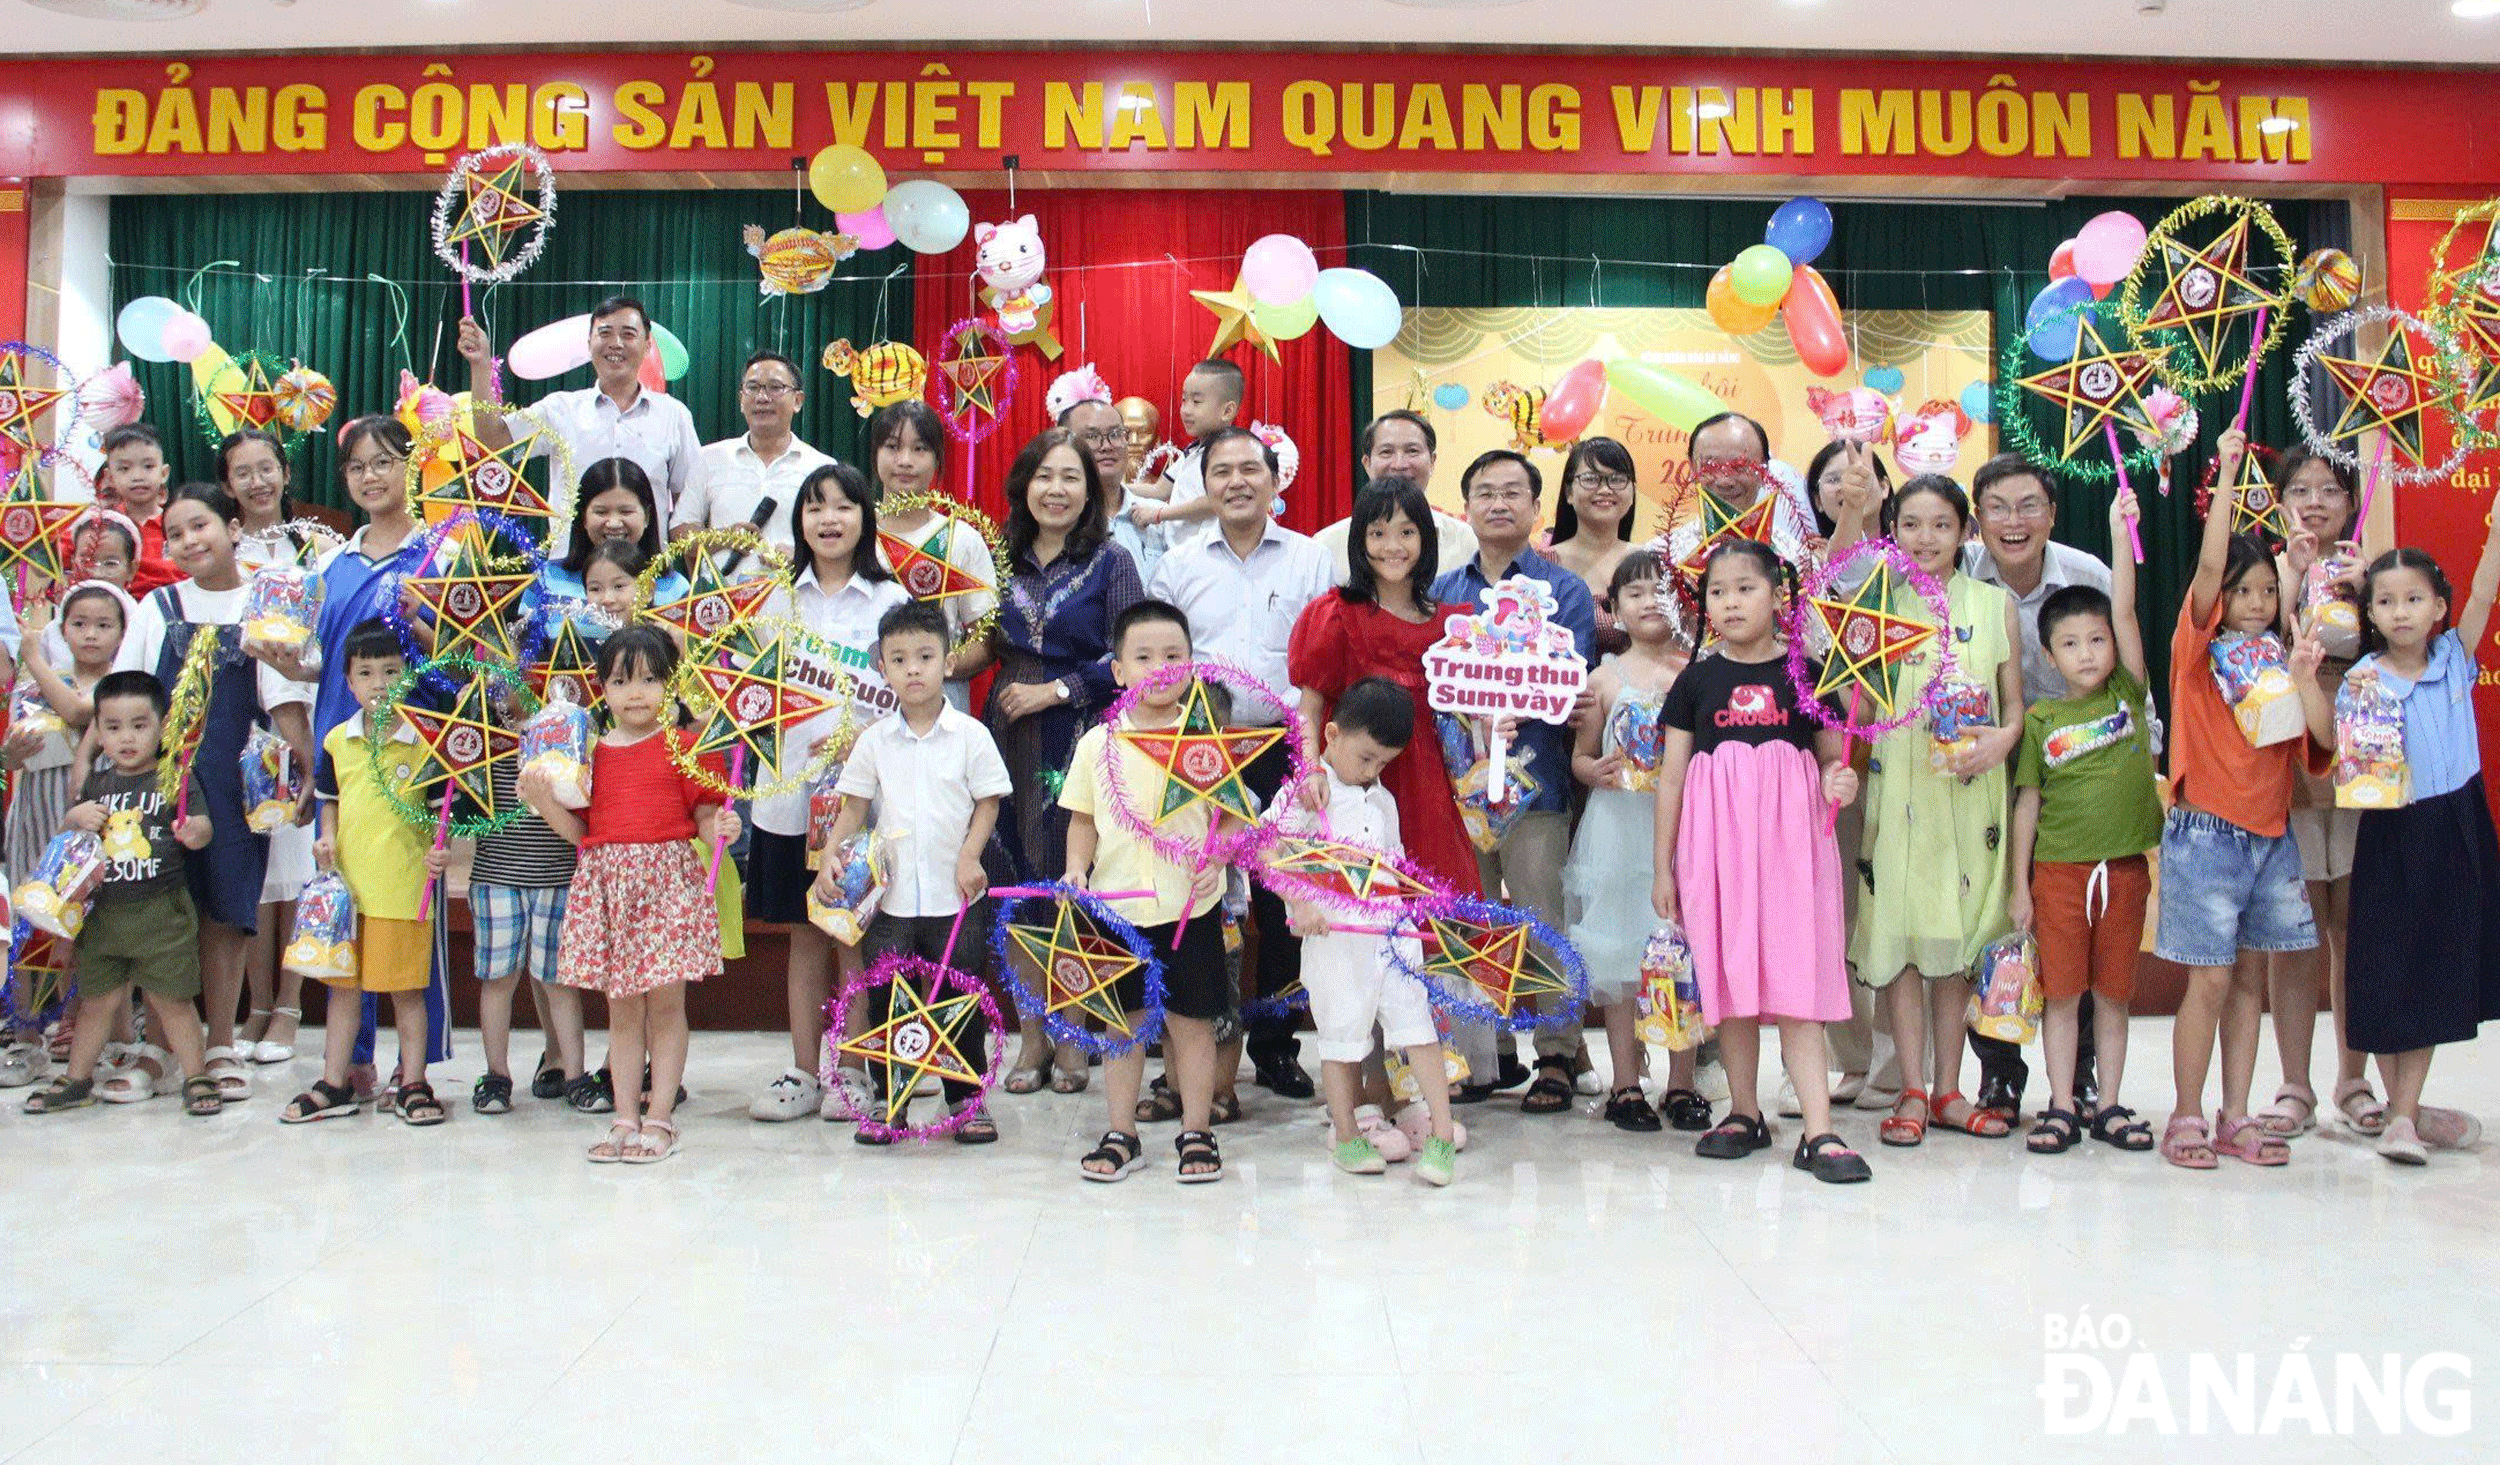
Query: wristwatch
(1061, 688)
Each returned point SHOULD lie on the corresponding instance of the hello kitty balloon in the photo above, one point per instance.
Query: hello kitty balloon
(1010, 263)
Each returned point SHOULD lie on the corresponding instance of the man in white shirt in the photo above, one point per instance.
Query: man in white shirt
(1399, 444)
(768, 462)
(1242, 589)
(613, 418)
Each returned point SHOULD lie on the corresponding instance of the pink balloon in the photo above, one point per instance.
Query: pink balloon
(2107, 247)
(868, 227)
(552, 350)
(1279, 269)
(1573, 403)
(186, 336)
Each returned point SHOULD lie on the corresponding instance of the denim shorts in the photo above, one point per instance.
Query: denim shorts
(2225, 890)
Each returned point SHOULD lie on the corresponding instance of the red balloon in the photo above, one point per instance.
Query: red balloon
(2101, 292)
(1813, 318)
(2062, 260)
(1572, 405)
(653, 377)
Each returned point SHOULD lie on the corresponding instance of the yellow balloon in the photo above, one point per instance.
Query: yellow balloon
(846, 180)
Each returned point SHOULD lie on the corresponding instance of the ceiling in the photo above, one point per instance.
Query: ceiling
(2339, 30)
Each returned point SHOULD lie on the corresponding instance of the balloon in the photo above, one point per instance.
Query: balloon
(1977, 404)
(653, 376)
(2101, 291)
(186, 336)
(1279, 269)
(1760, 275)
(1668, 395)
(670, 350)
(845, 179)
(141, 326)
(1813, 318)
(2062, 260)
(1734, 316)
(928, 216)
(1362, 310)
(552, 350)
(868, 226)
(1799, 229)
(1573, 403)
(1289, 321)
(2052, 318)
(2107, 247)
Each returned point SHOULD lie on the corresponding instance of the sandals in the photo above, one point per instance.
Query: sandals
(1070, 1071)
(1737, 1136)
(1197, 1148)
(324, 1100)
(2057, 1132)
(2245, 1140)
(1828, 1159)
(612, 1149)
(980, 1129)
(1117, 1149)
(417, 1106)
(491, 1094)
(2293, 1113)
(267, 1051)
(1900, 1130)
(1162, 1103)
(62, 1093)
(1981, 1123)
(2402, 1144)
(234, 1081)
(1551, 1093)
(1628, 1109)
(546, 1080)
(648, 1148)
(2360, 1107)
(2117, 1125)
(1686, 1110)
(2188, 1144)
(1223, 1109)
(147, 1072)
(200, 1098)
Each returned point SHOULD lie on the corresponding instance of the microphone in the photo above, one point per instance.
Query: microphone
(763, 511)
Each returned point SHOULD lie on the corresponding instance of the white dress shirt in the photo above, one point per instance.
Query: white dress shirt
(1243, 610)
(736, 478)
(657, 432)
(1454, 544)
(925, 786)
(2061, 566)
(848, 618)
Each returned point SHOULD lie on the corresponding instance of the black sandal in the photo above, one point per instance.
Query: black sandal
(2057, 1131)
(1197, 1147)
(418, 1107)
(324, 1100)
(980, 1129)
(1223, 1109)
(546, 1081)
(1552, 1092)
(1737, 1136)
(1628, 1109)
(63, 1093)
(1829, 1159)
(492, 1094)
(1120, 1150)
(1687, 1111)
(2127, 1133)
(200, 1098)
(1161, 1105)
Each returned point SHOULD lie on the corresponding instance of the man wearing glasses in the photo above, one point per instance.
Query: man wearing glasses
(768, 462)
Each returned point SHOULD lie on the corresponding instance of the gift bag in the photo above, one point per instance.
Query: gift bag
(2255, 679)
(324, 944)
(30, 710)
(1666, 1009)
(63, 883)
(272, 785)
(281, 605)
(860, 873)
(1488, 824)
(1633, 727)
(1402, 1082)
(2329, 612)
(2006, 1000)
(1961, 708)
(556, 739)
(824, 810)
(2370, 767)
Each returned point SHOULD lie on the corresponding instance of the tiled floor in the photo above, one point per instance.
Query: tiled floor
(181, 1291)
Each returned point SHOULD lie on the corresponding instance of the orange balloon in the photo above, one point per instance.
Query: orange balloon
(1731, 312)
(1813, 316)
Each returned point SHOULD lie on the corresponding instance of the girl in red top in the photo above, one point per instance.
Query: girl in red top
(638, 922)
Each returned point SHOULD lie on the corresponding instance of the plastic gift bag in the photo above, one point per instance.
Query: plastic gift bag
(859, 863)
(1961, 706)
(2329, 611)
(1487, 823)
(557, 739)
(30, 711)
(2006, 1000)
(272, 784)
(2254, 676)
(63, 883)
(1666, 1009)
(281, 605)
(824, 810)
(324, 945)
(1402, 1083)
(2370, 767)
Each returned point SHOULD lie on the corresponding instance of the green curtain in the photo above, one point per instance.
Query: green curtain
(299, 289)
(1957, 255)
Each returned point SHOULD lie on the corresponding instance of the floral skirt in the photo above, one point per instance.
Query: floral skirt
(638, 918)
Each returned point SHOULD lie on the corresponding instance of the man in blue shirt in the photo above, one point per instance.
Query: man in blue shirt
(1501, 490)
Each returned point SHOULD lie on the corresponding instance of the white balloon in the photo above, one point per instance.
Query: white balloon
(927, 216)
(1359, 307)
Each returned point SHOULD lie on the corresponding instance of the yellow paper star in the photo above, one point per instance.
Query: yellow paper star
(491, 479)
(1234, 322)
(2255, 508)
(749, 701)
(1202, 762)
(1721, 524)
(1337, 867)
(2389, 392)
(1077, 966)
(2204, 290)
(921, 1037)
(2098, 388)
(251, 400)
(476, 608)
(1498, 961)
(1869, 641)
(23, 406)
(973, 370)
(494, 208)
(459, 746)
(34, 532)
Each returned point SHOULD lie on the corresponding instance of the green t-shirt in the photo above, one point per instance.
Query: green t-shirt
(2092, 760)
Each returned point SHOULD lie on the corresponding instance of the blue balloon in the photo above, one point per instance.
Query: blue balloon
(1977, 404)
(1449, 396)
(1885, 379)
(2053, 317)
(141, 326)
(1799, 228)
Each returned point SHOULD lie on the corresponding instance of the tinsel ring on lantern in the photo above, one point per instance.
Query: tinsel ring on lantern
(483, 681)
(2201, 367)
(2423, 392)
(713, 605)
(1323, 870)
(186, 708)
(935, 576)
(1459, 941)
(751, 691)
(917, 1032)
(1803, 618)
(2013, 414)
(504, 547)
(975, 379)
(1067, 955)
(2465, 302)
(21, 404)
(494, 480)
(40, 982)
(501, 199)
(1208, 759)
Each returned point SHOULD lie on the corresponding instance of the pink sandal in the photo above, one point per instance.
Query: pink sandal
(2188, 1144)
(2245, 1140)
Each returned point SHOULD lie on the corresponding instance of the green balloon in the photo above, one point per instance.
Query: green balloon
(1760, 275)
(673, 357)
(1287, 322)
(1670, 396)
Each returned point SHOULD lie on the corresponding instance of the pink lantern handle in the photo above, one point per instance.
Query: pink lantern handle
(2248, 383)
(442, 837)
(720, 834)
(1026, 892)
(2369, 488)
(1831, 812)
(2118, 456)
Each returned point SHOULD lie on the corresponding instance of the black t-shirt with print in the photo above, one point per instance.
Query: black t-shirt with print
(1722, 701)
(142, 857)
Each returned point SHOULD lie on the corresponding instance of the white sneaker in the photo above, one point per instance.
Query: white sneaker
(1789, 1107)
(24, 1063)
(850, 1082)
(1710, 1080)
(792, 1094)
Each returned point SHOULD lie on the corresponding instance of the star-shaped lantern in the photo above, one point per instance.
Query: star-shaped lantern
(23, 407)
(2386, 392)
(478, 608)
(714, 605)
(972, 368)
(243, 393)
(2098, 388)
(1498, 960)
(1235, 321)
(2204, 291)
(2255, 507)
(2466, 299)
(750, 700)
(34, 533)
(926, 569)
(496, 205)
(37, 984)
(1302, 867)
(460, 746)
(1719, 524)
(567, 668)
(1869, 641)
(1076, 965)
(492, 480)
(1202, 762)
(922, 1036)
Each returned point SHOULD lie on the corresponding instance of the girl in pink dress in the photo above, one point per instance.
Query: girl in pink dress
(1746, 858)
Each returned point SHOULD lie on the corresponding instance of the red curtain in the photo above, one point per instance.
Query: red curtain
(1121, 265)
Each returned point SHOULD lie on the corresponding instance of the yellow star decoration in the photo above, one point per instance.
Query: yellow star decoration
(2388, 392)
(569, 666)
(1234, 323)
(752, 701)
(714, 605)
(1200, 761)
(921, 1037)
(2467, 299)
(23, 406)
(2255, 508)
(494, 479)
(241, 394)
(34, 532)
(38, 974)
(460, 746)
(2098, 388)
(1719, 523)
(475, 608)
(2205, 290)
(1077, 967)
(1496, 960)
(1869, 641)
(973, 370)
(1340, 867)
(494, 209)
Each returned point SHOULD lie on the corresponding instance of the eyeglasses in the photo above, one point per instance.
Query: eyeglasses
(2001, 512)
(1616, 481)
(1510, 496)
(372, 467)
(767, 389)
(1103, 437)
